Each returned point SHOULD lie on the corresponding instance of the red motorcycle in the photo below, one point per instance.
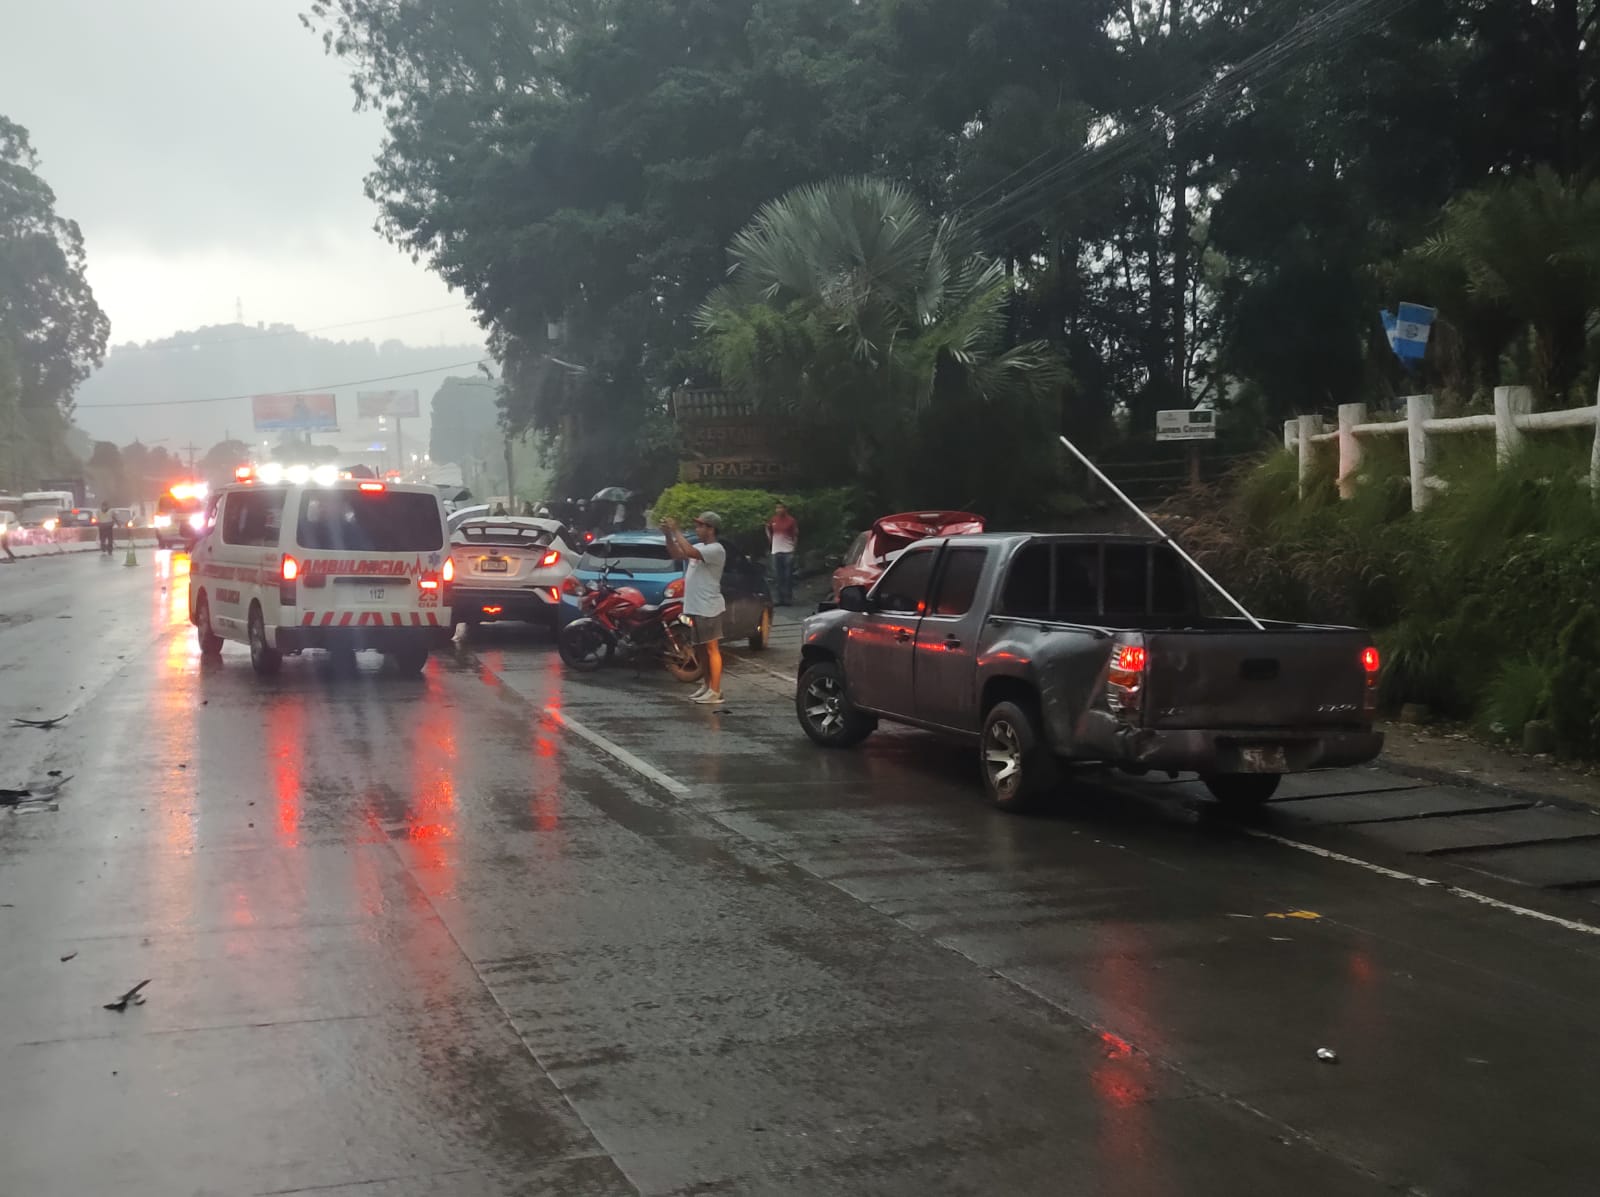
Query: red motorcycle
(617, 622)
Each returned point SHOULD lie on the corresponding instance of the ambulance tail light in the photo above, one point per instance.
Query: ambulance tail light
(288, 581)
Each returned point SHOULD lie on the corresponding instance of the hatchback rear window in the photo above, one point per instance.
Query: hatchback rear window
(361, 522)
(634, 558)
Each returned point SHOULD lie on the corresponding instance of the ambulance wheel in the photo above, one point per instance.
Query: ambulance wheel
(210, 642)
(265, 659)
(411, 659)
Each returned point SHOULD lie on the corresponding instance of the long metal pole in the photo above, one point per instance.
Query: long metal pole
(1157, 529)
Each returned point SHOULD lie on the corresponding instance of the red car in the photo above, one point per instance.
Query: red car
(869, 555)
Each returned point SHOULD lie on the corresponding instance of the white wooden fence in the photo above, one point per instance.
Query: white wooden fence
(1513, 415)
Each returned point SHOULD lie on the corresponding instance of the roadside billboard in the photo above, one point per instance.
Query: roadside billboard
(295, 413)
(371, 405)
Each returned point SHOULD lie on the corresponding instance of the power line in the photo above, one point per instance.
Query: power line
(288, 332)
(1117, 151)
(324, 386)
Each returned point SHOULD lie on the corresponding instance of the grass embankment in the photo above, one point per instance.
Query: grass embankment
(1485, 604)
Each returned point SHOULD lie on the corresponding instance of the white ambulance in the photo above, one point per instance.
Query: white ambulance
(295, 559)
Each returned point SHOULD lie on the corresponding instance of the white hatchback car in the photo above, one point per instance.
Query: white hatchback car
(342, 566)
(511, 567)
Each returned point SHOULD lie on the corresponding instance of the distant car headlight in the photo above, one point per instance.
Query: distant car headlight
(51, 525)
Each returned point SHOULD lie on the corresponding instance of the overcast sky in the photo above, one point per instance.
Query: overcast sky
(209, 150)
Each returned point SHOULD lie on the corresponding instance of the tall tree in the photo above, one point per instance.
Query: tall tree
(852, 310)
(52, 333)
(48, 314)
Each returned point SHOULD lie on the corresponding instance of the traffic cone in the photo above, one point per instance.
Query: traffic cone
(132, 558)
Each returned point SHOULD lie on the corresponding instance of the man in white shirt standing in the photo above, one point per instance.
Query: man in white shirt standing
(702, 596)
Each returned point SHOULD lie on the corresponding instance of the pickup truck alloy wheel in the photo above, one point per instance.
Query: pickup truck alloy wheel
(1017, 766)
(265, 660)
(824, 708)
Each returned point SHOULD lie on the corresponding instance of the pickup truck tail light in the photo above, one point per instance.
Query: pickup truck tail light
(1125, 678)
(1371, 663)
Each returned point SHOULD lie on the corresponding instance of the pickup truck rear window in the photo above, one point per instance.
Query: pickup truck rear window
(1093, 583)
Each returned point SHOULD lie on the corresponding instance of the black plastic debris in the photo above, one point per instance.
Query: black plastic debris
(12, 797)
(132, 995)
(45, 724)
(68, 957)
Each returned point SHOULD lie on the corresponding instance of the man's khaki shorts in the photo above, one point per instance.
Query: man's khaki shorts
(705, 629)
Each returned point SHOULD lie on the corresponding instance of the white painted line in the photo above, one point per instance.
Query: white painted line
(1453, 890)
(777, 673)
(618, 752)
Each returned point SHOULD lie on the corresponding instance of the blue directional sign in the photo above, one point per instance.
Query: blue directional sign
(1408, 331)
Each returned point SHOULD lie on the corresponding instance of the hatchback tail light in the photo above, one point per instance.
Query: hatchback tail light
(550, 558)
(674, 589)
(1371, 663)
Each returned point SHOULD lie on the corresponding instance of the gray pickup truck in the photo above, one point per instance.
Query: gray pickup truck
(1048, 648)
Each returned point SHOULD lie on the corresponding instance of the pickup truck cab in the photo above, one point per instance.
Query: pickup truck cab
(1048, 648)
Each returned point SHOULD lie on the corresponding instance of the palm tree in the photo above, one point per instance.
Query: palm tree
(848, 304)
(1528, 251)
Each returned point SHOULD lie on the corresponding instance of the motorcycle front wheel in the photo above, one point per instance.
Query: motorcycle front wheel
(584, 645)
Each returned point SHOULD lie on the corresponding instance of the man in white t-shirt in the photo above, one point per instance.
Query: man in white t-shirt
(702, 596)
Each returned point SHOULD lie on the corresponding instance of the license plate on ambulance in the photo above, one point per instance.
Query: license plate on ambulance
(1267, 758)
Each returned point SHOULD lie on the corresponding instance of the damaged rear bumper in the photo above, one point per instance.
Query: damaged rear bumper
(1229, 750)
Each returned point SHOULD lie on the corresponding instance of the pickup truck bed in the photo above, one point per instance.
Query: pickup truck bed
(1084, 648)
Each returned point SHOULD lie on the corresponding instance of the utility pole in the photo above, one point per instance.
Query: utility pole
(191, 449)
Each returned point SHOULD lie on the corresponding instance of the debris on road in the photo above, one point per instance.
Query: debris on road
(43, 724)
(1327, 1055)
(132, 995)
(54, 773)
(68, 957)
(12, 797)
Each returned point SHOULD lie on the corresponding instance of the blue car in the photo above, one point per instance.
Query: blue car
(643, 555)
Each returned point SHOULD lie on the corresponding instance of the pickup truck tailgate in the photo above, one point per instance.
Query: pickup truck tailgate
(1295, 677)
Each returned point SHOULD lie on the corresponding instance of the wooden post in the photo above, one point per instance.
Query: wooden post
(1509, 403)
(1350, 414)
(1594, 453)
(1289, 429)
(1308, 427)
(1419, 410)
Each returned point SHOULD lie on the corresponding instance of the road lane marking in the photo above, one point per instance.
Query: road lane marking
(618, 753)
(1427, 882)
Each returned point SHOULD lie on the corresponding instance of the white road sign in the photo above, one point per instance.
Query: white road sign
(1196, 425)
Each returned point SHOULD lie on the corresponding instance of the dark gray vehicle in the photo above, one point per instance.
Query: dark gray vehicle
(1043, 649)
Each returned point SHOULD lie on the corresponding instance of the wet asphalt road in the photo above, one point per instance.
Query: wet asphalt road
(502, 931)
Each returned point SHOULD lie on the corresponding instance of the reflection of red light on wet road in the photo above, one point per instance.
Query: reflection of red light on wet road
(1123, 1080)
(286, 732)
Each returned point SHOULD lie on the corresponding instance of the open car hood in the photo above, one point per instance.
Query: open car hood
(894, 532)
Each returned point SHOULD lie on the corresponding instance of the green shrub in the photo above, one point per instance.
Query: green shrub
(1519, 692)
(1472, 600)
(829, 519)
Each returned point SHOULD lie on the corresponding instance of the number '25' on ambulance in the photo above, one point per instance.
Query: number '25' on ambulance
(287, 563)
